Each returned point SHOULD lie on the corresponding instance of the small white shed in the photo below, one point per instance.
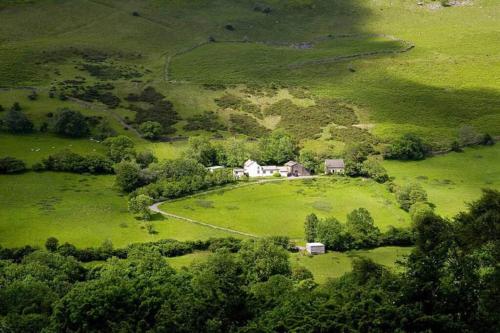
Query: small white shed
(315, 248)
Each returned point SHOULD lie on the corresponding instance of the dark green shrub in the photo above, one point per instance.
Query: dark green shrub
(71, 123)
(10, 165)
(408, 147)
(68, 161)
(15, 121)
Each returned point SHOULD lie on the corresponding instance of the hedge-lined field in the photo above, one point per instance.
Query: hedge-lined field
(280, 208)
(454, 179)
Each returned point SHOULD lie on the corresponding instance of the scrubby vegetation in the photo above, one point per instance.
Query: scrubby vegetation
(11, 165)
(207, 121)
(236, 103)
(244, 124)
(159, 110)
(306, 122)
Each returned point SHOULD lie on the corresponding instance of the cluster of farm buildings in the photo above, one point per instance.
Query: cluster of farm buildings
(290, 169)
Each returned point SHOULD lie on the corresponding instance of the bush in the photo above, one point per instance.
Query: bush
(151, 130)
(233, 245)
(408, 147)
(397, 237)
(33, 96)
(145, 158)
(68, 161)
(410, 194)
(355, 155)
(128, 176)
(10, 165)
(160, 110)
(51, 244)
(207, 121)
(120, 148)
(467, 136)
(140, 205)
(71, 123)
(374, 170)
(15, 121)
(487, 140)
(455, 146)
(16, 107)
(307, 122)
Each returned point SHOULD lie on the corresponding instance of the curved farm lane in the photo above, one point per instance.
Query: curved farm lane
(156, 207)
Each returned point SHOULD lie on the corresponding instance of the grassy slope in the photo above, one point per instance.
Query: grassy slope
(447, 80)
(280, 208)
(83, 210)
(454, 179)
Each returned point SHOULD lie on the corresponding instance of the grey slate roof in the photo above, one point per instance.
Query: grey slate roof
(335, 163)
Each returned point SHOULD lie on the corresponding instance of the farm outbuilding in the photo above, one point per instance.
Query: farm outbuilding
(334, 166)
(296, 169)
(315, 248)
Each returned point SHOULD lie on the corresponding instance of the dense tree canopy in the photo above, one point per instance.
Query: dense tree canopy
(449, 283)
(277, 148)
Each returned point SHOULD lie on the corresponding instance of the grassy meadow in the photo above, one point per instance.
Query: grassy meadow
(280, 208)
(79, 209)
(454, 179)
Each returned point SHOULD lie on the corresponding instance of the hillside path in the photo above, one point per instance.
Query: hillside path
(156, 207)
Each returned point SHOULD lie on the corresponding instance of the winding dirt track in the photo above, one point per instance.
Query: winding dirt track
(156, 207)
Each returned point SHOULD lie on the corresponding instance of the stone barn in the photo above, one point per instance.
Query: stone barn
(296, 169)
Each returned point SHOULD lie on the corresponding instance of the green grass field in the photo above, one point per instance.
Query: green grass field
(454, 179)
(323, 267)
(335, 264)
(280, 208)
(82, 210)
(448, 80)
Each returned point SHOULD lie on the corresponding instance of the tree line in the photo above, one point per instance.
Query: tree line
(449, 283)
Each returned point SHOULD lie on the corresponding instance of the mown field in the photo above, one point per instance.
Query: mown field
(280, 208)
(454, 179)
(79, 209)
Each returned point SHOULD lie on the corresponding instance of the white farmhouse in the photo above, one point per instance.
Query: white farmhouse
(315, 248)
(253, 169)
